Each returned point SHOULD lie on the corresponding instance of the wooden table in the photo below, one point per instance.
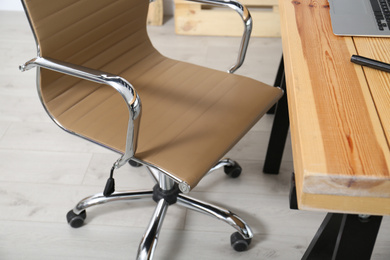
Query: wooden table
(339, 116)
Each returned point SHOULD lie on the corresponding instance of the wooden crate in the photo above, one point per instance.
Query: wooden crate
(155, 14)
(199, 19)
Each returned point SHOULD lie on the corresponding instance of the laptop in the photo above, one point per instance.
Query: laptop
(360, 17)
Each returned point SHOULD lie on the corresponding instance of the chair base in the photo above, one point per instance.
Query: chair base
(164, 197)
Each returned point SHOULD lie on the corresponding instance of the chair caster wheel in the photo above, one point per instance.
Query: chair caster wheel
(233, 171)
(74, 220)
(134, 163)
(239, 243)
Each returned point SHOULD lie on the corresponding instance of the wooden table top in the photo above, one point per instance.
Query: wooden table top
(339, 113)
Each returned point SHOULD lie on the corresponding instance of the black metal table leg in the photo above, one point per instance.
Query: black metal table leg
(293, 199)
(357, 236)
(324, 241)
(278, 136)
(344, 236)
(277, 82)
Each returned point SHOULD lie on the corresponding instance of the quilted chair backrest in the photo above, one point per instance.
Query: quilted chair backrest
(78, 31)
(107, 35)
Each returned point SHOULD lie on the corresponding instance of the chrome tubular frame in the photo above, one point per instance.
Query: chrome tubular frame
(165, 182)
(163, 178)
(126, 90)
(99, 199)
(216, 212)
(149, 240)
(183, 186)
(246, 18)
(155, 170)
(222, 163)
(154, 173)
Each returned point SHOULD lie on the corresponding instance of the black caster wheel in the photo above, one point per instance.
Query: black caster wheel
(239, 243)
(74, 220)
(134, 163)
(233, 171)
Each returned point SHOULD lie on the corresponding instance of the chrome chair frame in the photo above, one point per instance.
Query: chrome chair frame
(164, 180)
(121, 85)
(149, 241)
(127, 91)
(248, 24)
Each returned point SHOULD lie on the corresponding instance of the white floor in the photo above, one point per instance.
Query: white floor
(45, 171)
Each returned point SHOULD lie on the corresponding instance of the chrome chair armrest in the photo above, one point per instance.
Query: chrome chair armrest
(246, 18)
(126, 90)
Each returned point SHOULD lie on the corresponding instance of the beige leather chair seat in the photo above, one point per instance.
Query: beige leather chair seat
(187, 111)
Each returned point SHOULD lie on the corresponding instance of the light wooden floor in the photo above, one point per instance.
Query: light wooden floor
(45, 171)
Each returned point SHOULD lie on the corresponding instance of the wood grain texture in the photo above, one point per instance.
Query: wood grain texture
(340, 150)
(379, 81)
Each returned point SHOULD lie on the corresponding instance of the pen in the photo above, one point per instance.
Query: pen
(370, 63)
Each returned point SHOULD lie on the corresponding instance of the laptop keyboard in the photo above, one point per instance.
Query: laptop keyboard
(382, 13)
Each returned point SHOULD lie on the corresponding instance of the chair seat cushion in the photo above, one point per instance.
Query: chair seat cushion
(191, 115)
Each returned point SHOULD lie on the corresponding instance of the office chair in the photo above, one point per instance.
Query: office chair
(100, 78)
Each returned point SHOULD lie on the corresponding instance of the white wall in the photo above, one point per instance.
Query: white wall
(15, 5)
